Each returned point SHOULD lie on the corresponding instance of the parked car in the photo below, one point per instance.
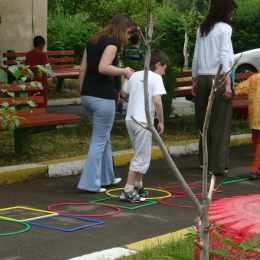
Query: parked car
(249, 62)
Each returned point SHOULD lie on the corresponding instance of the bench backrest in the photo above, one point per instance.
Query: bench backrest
(22, 94)
(184, 83)
(57, 59)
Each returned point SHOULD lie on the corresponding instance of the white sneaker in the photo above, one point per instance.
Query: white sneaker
(102, 190)
(116, 181)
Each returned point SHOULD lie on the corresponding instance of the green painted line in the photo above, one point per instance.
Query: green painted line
(27, 227)
(233, 181)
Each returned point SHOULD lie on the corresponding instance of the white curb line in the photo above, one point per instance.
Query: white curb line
(108, 254)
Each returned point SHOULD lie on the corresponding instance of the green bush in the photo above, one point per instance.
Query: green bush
(174, 24)
(246, 26)
(70, 33)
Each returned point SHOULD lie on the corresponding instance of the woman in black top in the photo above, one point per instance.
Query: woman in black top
(97, 89)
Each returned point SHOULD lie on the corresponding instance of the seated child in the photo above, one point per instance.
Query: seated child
(38, 57)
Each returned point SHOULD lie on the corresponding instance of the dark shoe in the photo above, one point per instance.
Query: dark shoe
(120, 107)
(131, 196)
(214, 173)
(254, 176)
(142, 192)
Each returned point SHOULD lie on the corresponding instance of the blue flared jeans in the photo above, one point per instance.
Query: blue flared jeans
(98, 170)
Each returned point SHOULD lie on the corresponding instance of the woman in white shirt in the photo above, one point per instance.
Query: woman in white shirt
(214, 47)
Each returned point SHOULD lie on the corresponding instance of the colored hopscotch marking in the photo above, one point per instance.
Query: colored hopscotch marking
(139, 205)
(175, 189)
(168, 194)
(75, 219)
(238, 180)
(19, 210)
(116, 210)
(27, 227)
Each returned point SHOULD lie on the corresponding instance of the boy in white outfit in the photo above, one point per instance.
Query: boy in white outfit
(141, 138)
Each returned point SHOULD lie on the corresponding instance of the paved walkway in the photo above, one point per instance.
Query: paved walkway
(35, 188)
(121, 230)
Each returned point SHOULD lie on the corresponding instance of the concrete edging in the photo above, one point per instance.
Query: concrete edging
(74, 165)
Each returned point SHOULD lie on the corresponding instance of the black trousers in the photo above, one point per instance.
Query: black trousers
(219, 126)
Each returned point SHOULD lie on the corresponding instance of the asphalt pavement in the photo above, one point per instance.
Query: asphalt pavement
(115, 225)
(119, 230)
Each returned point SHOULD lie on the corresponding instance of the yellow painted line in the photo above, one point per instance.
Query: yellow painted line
(155, 241)
(182, 143)
(21, 173)
(122, 158)
(156, 154)
(45, 213)
(240, 141)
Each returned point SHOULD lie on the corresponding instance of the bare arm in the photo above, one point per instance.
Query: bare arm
(159, 112)
(228, 92)
(123, 93)
(106, 60)
(194, 86)
(82, 69)
(54, 79)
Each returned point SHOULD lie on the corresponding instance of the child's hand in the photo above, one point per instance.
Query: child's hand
(55, 80)
(160, 128)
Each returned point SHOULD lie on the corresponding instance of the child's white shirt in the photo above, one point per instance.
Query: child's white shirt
(135, 89)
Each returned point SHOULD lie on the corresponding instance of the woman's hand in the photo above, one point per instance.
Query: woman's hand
(128, 72)
(194, 86)
(228, 92)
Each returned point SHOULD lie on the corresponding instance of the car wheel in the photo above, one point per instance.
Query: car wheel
(246, 69)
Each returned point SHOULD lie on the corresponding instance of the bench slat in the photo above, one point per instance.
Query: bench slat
(240, 103)
(30, 112)
(17, 88)
(47, 119)
(48, 53)
(61, 60)
(62, 67)
(17, 101)
(59, 53)
(51, 61)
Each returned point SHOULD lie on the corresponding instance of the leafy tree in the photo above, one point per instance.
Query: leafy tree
(70, 32)
(100, 11)
(246, 26)
(184, 5)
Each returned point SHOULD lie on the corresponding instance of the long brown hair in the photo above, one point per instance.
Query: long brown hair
(116, 28)
(220, 11)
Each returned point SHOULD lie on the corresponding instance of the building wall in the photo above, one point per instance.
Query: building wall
(21, 21)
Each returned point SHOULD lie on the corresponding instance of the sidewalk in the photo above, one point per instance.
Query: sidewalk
(74, 166)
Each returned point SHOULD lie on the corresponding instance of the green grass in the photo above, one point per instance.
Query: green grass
(72, 141)
(182, 248)
(71, 90)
